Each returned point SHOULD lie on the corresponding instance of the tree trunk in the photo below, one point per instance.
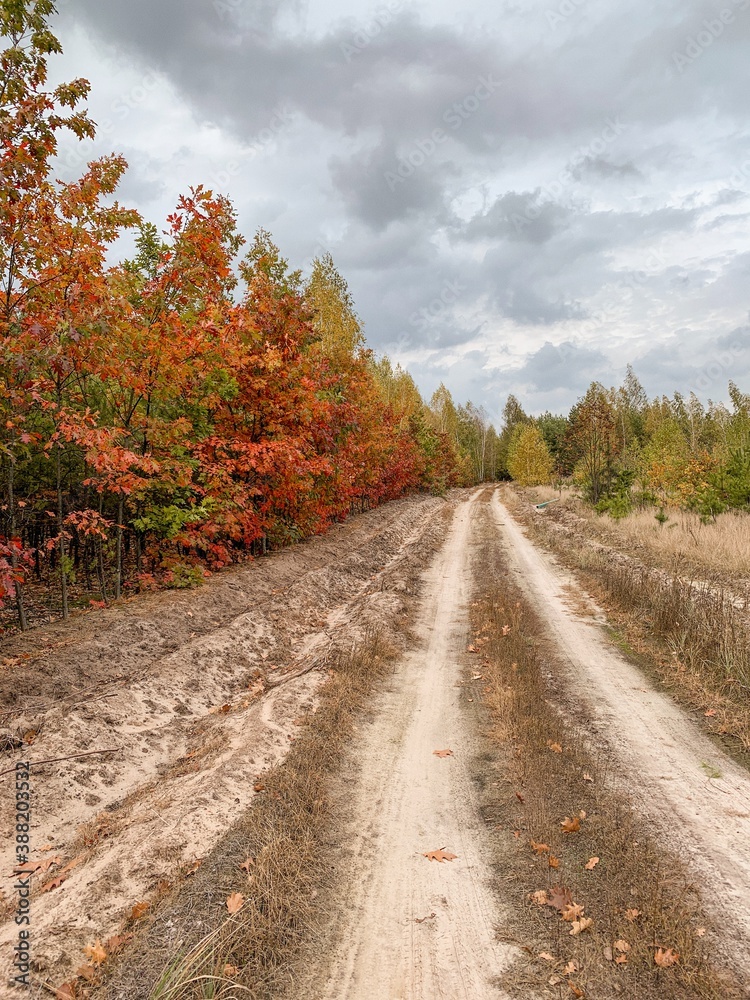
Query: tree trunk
(20, 607)
(61, 529)
(118, 572)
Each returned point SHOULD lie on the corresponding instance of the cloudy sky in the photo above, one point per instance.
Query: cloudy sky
(524, 195)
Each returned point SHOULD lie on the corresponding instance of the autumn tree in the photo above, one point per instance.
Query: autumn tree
(593, 441)
(52, 246)
(529, 459)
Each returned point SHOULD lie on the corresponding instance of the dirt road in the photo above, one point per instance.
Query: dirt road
(698, 797)
(198, 715)
(415, 929)
(197, 691)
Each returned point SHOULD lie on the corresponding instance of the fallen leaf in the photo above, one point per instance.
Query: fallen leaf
(608, 953)
(235, 902)
(621, 960)
(250, 863)
(555, 980)
(665, 958)
(259, 786)
(193, 868)
(571, 825)
(587, 777)
(421, 920)
(572, 912)
(520, 797)
(545, 956)
(559, 897)
(710, 713)
(570, 968)
(540, 897)
(54, 883)
(47, 847)
(553, 861)
(579, 926)
(576, 990)
(555, 747)
(440, 855)
(591, 864)
(114, 943)
(138, 910)
(539, 848)
(27, 868)
(622, 946)
(700, 932)
(442, 753)
(231, 970)
(632, 915)
(95, 952)
(66, 992)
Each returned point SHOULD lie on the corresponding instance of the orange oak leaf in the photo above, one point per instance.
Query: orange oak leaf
(665, 958)
(440, 855)
(540, 897)
(138, 910)
(591, 864)
(572, 912)
(553, 861)
(539, 848)
(571, 825)
(546, 957)
(95, 952)
(114, 943)
(442, 753)
(579, 926)
(235, 902)
(554, 747)
(632, 915)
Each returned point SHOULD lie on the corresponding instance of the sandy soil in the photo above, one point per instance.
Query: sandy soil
(411, 928)
(198, 693)
(697, 796)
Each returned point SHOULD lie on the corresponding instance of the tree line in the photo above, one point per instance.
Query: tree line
(623, 449)
(191, 407)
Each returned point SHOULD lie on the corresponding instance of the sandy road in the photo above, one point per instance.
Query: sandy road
(666, 762)
(408, 801)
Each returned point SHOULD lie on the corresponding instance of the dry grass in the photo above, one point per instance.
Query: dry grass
(720, 549)
(285, 836)
(694, 633)
(550, 773)
(189, 948)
